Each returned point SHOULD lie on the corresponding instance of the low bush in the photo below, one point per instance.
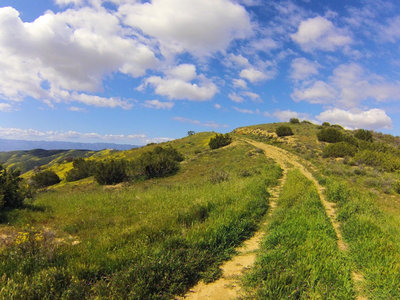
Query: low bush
(220, 140)
(160, 162)
(82, 169)
(386, 161)
(45, 178)
(330, 135)
(218, 177)
(364, 135)
(283, 130)
(294, 121)
(111, 172)
(340, 149)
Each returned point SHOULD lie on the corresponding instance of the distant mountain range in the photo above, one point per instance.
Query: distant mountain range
(14, 145)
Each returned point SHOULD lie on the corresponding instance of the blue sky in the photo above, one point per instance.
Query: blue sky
(147, 71)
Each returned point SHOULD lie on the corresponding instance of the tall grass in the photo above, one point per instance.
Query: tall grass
(299, 257)
(150, 240)
(373, 238)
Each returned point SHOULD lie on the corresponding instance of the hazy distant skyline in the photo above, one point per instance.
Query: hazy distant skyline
(147, 71)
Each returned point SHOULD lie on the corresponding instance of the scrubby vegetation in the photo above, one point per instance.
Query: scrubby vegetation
(160, 162)
(81, 169)
(45, 178)
(283, 130)
(111, 172)
(294, 121)
(364, 135)
(220, 140)
(340, 149)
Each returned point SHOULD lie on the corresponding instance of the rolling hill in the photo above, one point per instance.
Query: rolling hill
(313, 215)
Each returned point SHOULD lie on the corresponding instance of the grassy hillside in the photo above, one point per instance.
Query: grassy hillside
(30, 159)
(155, 238)
(150, 239)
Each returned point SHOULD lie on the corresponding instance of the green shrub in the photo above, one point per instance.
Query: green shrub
(111, 172)
(330, 135)
(340, 149)
(384, 160)
(82, 169)
(11, 193)
(306, 122)
(160, 162)
(283, 131)
(220, 140)
(294, 121)
(45, 178)
(326, 124)
(364, 135)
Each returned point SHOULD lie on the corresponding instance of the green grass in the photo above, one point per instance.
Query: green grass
(373, 237)
(147, 240)
(299, 257)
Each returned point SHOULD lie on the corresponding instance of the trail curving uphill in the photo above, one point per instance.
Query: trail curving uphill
(227, 287)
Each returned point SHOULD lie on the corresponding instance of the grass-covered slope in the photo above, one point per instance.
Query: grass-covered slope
(365, 184)
(30, 159)
(143, 240)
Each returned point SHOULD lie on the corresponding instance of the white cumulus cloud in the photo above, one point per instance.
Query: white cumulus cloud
(197, 26)
(320, 34)
(371, 119)
(177, 84)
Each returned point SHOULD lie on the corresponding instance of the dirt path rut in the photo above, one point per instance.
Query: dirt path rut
(227, 287)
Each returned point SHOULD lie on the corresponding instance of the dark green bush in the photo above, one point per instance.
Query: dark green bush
(294, 121)
(330, 135)
(11, 193)
(45, 178)
(111, 172)
(306, 122)
(160, 162)
(284, 131)
(220, 140)
(364, 135)
(326, 124)
(82, 169)
(340, 149)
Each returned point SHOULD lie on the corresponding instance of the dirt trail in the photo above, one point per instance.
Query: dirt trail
(227, 287)
(283, 158)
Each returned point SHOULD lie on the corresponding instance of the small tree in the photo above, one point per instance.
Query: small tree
(45, 178)
(294, 121)
(326, 124)
(220, 140)
(283, 131)
(11, 193)
(190, 132)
